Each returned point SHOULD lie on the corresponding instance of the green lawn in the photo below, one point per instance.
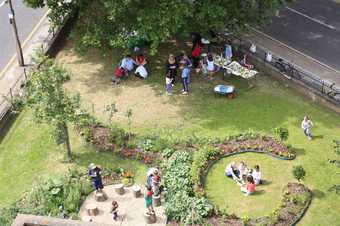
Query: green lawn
(225, 193)
(28, 152)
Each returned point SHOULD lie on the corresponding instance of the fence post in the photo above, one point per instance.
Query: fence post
(25, 74)
(11, 93)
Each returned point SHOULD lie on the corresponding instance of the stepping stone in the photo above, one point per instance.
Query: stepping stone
(156, 200)
(136, 191)
(150, 218)
(92, 209)
(100, 197)
(119, 189)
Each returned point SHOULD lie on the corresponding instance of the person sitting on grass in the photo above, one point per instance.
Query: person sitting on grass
(249, 188)
(141, 71)
(242, 168)
(231, 171)
(127, 64)
(148, 200)
(114, 210)
(257, 175)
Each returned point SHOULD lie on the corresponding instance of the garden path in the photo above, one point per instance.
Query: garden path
(130, 210)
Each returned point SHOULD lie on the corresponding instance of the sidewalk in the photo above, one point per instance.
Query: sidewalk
(13, 76)
(293, 56)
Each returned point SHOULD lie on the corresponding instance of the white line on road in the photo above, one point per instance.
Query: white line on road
(297, 51)
(311, 18)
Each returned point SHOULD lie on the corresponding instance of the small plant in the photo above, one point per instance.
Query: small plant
(125, 181)
(299, 172)
(110, 110)
(129, 114)
(281, 133)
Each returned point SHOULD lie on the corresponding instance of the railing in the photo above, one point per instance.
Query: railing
(291, 71)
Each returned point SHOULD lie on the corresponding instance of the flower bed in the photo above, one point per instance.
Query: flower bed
(258, 144)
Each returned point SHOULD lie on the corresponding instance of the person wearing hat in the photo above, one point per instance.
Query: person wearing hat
(95, 174)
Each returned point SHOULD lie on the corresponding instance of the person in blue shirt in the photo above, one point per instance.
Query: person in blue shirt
(185, 77)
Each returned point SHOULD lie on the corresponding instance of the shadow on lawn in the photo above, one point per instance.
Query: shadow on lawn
(259, 192)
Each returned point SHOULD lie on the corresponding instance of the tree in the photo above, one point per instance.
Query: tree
(106, 24)
(50, 102)
(299, 173)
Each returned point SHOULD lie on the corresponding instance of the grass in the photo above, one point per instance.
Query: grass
(225, 193)
(268, 105)
(28, 152)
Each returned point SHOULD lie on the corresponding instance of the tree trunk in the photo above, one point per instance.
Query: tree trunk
(67, 142)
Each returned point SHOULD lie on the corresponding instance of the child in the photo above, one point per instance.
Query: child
(185, 77)
(249, 188)
(257, 175)
(156, 180)
(231, 171)
(114, 210)
(168, 84)
(306, 125)
(211, 68)
(148, 199)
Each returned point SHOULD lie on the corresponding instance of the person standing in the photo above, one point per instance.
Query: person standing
(148, 199)
(185, 77)
(171, 68)
(306, 125)
(96, 177)
(114, 210)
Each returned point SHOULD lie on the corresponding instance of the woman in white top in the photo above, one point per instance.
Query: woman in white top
(257, 175)
(306, 125)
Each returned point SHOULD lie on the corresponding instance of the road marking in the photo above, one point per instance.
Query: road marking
(24, 43)
(311, 18)
(299, 52)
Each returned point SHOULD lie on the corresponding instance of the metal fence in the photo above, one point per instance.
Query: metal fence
(325, 88)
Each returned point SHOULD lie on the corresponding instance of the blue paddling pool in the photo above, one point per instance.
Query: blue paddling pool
(229, 91)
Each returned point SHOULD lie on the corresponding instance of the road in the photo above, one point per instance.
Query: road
(312, 27)
(26, 19)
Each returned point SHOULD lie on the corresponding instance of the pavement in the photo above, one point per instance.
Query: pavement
(26, 19)
(130, 209)
(13, 76)
(312, 27)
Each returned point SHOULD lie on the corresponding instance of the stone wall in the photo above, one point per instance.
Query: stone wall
(32, 220)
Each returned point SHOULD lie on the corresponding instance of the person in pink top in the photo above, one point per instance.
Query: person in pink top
(249, 188)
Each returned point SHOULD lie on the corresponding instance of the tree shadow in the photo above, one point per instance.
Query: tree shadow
(318, 194)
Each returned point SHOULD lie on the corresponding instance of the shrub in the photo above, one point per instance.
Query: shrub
(281, 133)
(117, 135)
(201, 158)
(167, 152)
(299, 173)
(181, 205)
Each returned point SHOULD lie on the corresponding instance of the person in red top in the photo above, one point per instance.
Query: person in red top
(249, 188)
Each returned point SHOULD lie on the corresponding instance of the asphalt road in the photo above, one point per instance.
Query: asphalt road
(26, 19)
(312, 27)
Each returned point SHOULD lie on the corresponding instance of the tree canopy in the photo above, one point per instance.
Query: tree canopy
(106, 24)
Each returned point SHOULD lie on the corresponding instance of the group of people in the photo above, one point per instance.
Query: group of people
(129, 65)
(245, 177)
(152, 188)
